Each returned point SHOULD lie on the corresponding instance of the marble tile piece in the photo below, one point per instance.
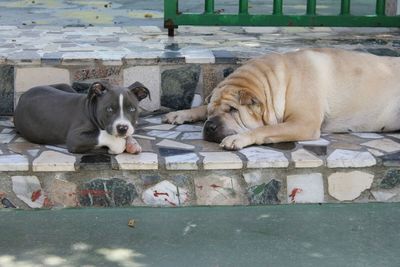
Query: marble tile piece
(219, 190)
(192, 136)
(29, 190)
(174, 144)
(62, 193)
(264, 158)
(189, 128)
(383, 195)
(348, 186)
(265, 194)
(141, 161)
(139, 136)
(304, 159)
(162, 127)
(14, 163)
(305, 188)
(394, 135)
(164, 134)
(51, 161)
(156, 120)
(59, 149)
(6, 138)
(6, 123)
(341, 158)
(319, 142)
(375, 152)
(221, 160)
(6, 131)
(368, 135)
(165, 193)
(386, 145)
(182, 162)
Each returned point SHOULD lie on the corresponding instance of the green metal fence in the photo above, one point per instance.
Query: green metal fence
(173, 17)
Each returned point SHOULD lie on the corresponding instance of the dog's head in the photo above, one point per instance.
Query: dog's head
(114, 108)
(233, 109)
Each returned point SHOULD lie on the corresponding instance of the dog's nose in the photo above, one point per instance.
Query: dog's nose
(122, 129)
(210, 126)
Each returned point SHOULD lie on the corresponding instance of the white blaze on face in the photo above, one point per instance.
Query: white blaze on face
(121, 119)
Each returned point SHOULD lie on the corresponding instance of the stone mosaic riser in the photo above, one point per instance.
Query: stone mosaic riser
(177, 188)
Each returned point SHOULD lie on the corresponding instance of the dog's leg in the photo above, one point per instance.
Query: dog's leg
(283, 132)
(187, 115)
(132, 146)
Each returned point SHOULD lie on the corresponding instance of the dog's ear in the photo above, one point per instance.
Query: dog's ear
(97, 89)
(139, 90)
(245, 98)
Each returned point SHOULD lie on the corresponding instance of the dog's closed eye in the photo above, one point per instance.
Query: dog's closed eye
(232, 109)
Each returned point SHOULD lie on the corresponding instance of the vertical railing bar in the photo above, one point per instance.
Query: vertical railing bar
(345, 7)
(277, 8)
(380, 7)
(243, 6)
(311, 7)
(209, 6)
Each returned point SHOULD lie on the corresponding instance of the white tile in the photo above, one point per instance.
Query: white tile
(346, 186)
(368, 135)
(141, 161)
(197, 101)
(156, 120)
(139, 136)
(182, 162)
(6, 123)
(164, 134)
(192, 136)
(305, 188)
(174, 144)
(341, 158)
(150, 29)
(221, 160)
(162, 127)
(6, 131)
(33, 152)
(26, 78)
(14, 163)
(375, 152)
(219, 190)
(264, 158)
(150, 77)
(319, 142)
(386, 145)
(59, 149)
(394, 135)
(189, 128)
(165, 194)
(6, 138)
(20, 140)
(304, 159)
(198, 56)
(384, 195)
(27, 186)
(51, 161)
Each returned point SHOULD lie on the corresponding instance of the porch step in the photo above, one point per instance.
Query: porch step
(177, 168)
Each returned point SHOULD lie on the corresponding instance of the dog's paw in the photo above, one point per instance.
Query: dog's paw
(132, 146)
(177, 117)
(236, 142)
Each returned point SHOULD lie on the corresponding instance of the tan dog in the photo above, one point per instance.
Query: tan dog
(295, 96)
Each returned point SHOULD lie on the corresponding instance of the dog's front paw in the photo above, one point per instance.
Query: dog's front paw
(177, 117)
(236, 142)
(132, 146)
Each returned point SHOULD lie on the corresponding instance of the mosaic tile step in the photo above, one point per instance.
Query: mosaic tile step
(176, 171)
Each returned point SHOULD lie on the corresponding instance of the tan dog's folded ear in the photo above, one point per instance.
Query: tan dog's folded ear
(245, 98)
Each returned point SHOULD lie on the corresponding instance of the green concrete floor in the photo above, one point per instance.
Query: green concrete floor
(284, 235)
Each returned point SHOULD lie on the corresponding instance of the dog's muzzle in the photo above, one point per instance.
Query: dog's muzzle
(214, 131)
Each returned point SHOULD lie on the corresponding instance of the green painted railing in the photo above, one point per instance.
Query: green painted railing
(173, 17)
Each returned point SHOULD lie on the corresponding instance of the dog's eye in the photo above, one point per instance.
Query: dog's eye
(131, 109)
(109, 109)
(232, 109)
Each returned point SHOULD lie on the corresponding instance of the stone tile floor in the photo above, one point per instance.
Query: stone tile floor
(55, 45)
(180, 147)
(178, 168)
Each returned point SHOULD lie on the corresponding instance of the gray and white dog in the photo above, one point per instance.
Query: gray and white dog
(105, 117)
